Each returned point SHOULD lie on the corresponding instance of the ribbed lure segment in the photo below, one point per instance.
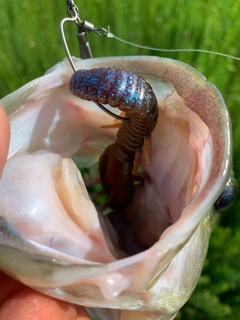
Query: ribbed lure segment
(116, 87)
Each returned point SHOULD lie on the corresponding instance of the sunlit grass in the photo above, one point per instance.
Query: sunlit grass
(30, 44)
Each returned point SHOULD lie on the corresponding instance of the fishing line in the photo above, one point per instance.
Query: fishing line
(111, 35)
(85, 26)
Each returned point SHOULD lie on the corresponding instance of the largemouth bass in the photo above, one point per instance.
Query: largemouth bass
(55, 240)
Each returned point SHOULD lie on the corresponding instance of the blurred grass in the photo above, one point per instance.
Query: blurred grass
(30, 44)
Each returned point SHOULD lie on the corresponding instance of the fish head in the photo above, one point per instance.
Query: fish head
(149, 258)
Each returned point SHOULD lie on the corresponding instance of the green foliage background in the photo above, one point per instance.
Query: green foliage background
(30, 44)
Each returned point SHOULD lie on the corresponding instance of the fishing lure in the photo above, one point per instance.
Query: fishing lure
(135, 97)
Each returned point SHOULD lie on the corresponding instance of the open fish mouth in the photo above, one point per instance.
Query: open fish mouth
(130, 260)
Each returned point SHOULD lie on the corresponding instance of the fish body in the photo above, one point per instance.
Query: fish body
(52, 237)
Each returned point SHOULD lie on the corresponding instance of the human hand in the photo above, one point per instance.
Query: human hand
(18, 302)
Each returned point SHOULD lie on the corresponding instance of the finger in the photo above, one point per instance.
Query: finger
(4, 137)
(18, 302)
(8, 286)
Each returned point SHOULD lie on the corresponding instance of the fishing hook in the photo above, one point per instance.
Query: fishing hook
(84, 46)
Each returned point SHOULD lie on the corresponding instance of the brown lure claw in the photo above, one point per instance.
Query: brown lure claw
(147, 150)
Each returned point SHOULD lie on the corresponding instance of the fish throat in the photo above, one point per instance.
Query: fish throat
(159, 192)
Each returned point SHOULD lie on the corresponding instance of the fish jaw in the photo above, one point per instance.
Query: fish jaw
(47, 122)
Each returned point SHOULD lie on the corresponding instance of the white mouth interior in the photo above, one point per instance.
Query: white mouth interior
(64, 126)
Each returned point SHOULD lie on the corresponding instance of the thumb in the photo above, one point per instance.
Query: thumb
(4, 138)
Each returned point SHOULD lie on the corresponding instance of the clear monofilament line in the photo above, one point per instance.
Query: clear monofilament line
(111, 35)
